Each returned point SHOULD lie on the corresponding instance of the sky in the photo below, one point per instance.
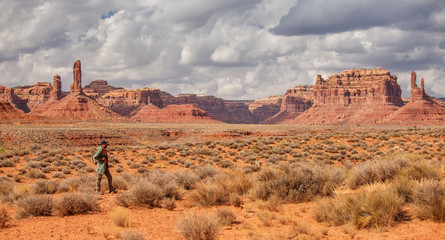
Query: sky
(233, 49)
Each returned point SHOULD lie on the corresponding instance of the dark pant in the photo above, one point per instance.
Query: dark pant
(109, 178)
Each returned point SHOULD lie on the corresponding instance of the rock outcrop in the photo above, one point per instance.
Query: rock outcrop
(265, 108)
(29, 97)
(7, 111)
(98, 88)
(358, 96)
(295, 102)
(76, 87)
(187, 113)
(56, 92)
(125, 101)
(76, 104)
(421, 110)
(217, 108)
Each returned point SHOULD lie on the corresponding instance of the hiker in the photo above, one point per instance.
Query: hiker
(101, 159)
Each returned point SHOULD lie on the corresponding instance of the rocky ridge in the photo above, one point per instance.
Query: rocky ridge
(358, 96)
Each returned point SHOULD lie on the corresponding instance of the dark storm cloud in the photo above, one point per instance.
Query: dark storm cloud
(328, 16)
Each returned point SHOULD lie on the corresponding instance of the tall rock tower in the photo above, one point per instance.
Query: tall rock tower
(56, 93)
(76, 87)
(416, 92)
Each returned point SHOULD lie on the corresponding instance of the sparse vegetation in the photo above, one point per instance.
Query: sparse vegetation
(75, 203)
(198, 227)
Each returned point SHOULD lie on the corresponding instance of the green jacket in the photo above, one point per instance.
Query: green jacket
(98, 156)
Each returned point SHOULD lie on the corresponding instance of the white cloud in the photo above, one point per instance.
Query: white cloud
(222, 48)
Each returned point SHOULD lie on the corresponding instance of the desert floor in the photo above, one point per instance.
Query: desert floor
(257, 176)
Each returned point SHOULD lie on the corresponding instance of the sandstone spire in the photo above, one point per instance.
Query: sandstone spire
(77, 78)
(56, 92)
(416, 92)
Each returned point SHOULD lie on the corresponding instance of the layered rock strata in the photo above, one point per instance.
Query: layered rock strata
(187, 113)
(265, 108)
(422, 109)
(7, 111)
(358, 96)
(295, 102)
(77, 78)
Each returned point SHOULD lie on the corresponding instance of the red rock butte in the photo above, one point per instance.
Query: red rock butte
(357, 96)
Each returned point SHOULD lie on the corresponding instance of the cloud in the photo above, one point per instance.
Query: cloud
(326, 16)
(232, 49)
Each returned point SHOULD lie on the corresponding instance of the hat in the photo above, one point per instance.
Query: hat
(103, 142)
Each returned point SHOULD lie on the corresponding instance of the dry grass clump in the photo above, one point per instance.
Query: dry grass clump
(225, 216)
(169, 203)
(131, 235)
(150, 190)
(45, 187)
(209, 194)
(121, 217)
(198, 227)
(4, 217)
(429, 200)
(376, 171)
(186, 178)
(206, 171)
(296, 182)
(35, 205)
(364, 209)
(75, 203)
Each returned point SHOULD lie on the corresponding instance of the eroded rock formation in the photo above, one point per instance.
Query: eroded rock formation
(422, 109)
(187, 113)
(295, 102)
(265, 108)
(218, 108)
(358, 96)
(7, 111)
(77, 78)
(56, 92)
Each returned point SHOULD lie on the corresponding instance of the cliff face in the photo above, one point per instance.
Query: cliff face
(7, 111)
(358, 96)
(171, 114)
(218, 108)
(265, 108)
(422, 109)
(295, 101)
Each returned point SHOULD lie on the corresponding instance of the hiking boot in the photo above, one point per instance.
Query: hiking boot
(113, 191)
(99, 193)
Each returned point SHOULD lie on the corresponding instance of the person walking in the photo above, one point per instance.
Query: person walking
(101, 159)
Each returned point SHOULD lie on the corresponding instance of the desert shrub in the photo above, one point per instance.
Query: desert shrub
(34, 173)
(419, 171)
(234, 181)
(35, 205)
(131, 235)
(19, 191)
(196, 227)
(364, 209)
(209, 194)
(120, 183)
(44, 187)
(225, 216)
(296, 182)
(6, 185)
(235, 200)
(146, 193)
(58, 175)
(121, 217)
(76, 203)
(4, 217)
(6, 163)
(376, 171)
(429, 200)
(186, 178)
(84, 183)
(169, 203)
